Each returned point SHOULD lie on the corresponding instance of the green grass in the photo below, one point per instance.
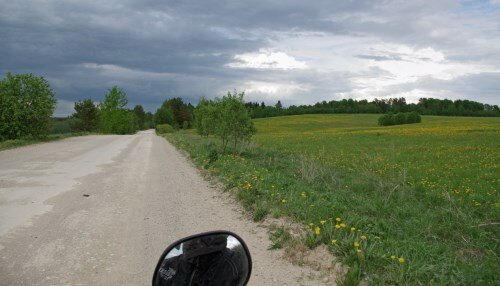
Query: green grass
(422, 199)
(279, 237)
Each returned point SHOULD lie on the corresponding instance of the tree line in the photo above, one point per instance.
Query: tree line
(27, 103)
(425, 106)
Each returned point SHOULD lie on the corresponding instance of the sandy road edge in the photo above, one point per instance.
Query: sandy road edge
(318, 260)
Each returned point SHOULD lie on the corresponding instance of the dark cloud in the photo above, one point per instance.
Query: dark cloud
(160, 49)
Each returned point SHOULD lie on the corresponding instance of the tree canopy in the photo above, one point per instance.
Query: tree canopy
(115, 118)
(86, 116)
(425, 106)
(27, 103)
(227, 118)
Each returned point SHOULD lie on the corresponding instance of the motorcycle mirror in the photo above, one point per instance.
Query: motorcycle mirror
(210, 258)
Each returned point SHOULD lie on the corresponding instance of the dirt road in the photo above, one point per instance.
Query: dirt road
(99, 210)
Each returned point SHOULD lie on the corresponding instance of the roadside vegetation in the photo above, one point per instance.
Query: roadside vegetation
(27, 104)
(14, 143)
(164, 129)
(176, 113)
(227, 118)
(406, 204)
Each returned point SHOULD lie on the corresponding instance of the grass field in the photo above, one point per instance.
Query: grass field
(408, 204)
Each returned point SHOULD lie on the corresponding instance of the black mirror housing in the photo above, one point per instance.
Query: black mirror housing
(210, 258)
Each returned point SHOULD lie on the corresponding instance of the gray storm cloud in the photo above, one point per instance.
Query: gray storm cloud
(295, 51)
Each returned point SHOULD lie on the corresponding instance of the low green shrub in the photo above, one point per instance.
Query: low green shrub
(386, 120)
(399, 118)
(413, 117)
(164, 128)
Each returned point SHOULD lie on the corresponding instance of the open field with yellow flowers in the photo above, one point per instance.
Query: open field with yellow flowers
(406, 204)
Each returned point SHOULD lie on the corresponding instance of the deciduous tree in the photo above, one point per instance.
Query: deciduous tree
(27, 103)
(115, 118)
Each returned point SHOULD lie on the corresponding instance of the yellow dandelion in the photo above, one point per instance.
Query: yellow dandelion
(363, 237)
(401, 260)
(353, 229)
(358, 250)
(393, 257)
(311, 225)
(338, 219)
(356, 244)
(323, 221)
(342, 225)
(334, 241)
(317, 230)
(337, 226)
(283, 201)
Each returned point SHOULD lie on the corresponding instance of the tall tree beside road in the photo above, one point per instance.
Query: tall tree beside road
(141, 116)
(86, 116)
(27, 103)
(115, 118)
(226, 118)
(163, 115)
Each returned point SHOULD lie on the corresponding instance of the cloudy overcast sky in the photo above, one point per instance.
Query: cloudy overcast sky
(299, 52)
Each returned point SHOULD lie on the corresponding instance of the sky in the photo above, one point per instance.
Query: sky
(299, 52)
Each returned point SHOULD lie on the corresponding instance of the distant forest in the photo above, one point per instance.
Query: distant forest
(425, 106)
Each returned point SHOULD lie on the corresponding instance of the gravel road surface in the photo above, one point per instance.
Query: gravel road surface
(99, 210)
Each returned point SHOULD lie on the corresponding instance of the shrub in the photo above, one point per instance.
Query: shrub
(205, 117)
(164, 128)
(386, 120)
(399, 118)
(413, 117)
(227, 118)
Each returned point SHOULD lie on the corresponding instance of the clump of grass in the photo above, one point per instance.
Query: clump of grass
(260, 212)
(279, 237)
(352, 277)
